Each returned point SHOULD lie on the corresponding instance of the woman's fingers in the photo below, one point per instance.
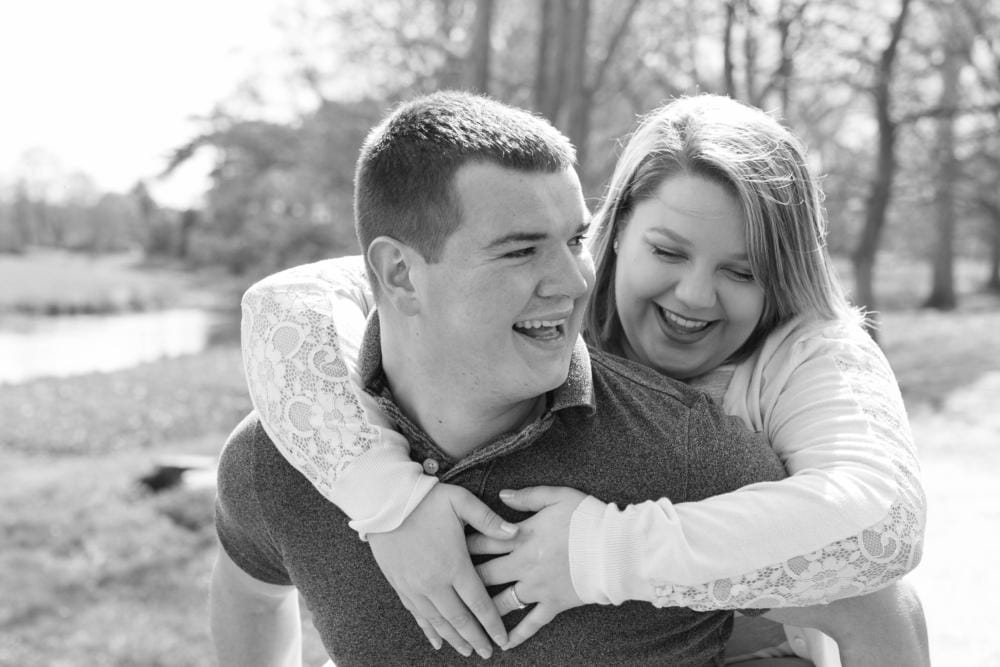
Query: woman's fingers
(472, 592)
(536, 619)
(536, 498)
(427, 562)
(485, 545)
(432, 635)
(454, 624)
(474, 512)
(509, 600)
(499, 571)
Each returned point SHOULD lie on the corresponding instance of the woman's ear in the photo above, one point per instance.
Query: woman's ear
(391, 262)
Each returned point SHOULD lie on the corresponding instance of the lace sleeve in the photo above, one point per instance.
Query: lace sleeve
(301, 330)
(849, 520)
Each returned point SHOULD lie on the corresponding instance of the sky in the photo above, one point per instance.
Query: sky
(110, 87)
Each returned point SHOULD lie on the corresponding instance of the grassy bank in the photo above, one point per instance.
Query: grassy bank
(56, 282)
(95, 569)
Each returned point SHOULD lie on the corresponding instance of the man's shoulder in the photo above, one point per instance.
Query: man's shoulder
(245, 437)
(640, 382)
(248, 451)
(236, 461)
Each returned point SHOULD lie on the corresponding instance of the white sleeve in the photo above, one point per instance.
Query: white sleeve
(301, 333)
(849, 519)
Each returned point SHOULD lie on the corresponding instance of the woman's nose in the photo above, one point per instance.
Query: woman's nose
(696, 289)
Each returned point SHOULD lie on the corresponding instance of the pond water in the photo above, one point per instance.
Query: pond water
(62, 346)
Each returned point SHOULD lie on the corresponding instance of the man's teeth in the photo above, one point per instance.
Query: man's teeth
(538, 324)
(541, 329)
(683, 322)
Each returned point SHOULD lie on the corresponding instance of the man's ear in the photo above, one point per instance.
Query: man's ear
(391, 262)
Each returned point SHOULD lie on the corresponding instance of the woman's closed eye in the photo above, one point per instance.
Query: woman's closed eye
(740, 275)
(667, 253)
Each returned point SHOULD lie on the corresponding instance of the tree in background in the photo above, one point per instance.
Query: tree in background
(954, 54)
(983, 166)
(280, 194)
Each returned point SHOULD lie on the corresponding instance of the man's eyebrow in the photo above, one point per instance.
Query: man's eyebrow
(517, 237)
(530, 237)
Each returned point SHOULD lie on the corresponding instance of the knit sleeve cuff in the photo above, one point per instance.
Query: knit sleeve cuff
(382, 488)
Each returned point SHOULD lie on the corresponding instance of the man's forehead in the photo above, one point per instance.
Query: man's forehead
(505, 206)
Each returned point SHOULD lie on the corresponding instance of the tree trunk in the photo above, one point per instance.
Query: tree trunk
(750, 53)
(942, 296)
(549, 71)
(993, 281)
(880, 192)
(992, 209)
(783, 75)
(729, 81)
(480, 50)
(579, 95)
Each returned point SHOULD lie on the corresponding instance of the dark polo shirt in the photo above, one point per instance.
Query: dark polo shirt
(614, 429)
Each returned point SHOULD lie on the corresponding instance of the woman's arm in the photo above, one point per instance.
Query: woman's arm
(301, 333)
(848, 521)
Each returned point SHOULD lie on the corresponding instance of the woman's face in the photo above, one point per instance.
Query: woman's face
(686, 296)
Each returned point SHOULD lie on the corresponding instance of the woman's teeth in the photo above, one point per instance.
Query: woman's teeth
(684, 324)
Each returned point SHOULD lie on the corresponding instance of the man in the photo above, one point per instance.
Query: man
(472, 219)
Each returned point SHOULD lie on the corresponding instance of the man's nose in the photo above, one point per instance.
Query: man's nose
(570, 274)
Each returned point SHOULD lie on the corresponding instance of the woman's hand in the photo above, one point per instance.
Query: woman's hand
(426, 561)
(536, 560)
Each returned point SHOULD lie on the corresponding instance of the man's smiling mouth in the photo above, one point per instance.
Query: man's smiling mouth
(541, 329)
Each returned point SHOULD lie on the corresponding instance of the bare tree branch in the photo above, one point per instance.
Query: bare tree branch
(613, 45)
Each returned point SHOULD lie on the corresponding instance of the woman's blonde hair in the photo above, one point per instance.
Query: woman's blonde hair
(764, 166)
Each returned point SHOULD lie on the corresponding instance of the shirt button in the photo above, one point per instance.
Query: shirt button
(431, 466)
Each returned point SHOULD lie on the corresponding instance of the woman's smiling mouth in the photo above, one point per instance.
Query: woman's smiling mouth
(682, 325)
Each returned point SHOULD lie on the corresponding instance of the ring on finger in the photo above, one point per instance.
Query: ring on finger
(516, 600)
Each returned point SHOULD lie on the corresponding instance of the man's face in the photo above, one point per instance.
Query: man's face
(503, 307)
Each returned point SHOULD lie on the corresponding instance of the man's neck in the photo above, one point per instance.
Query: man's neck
(457, 425)
(457, 419)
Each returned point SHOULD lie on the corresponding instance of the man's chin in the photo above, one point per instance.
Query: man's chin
(544, 380)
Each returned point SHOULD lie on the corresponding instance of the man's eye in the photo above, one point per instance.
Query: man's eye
(578, 240)
(521, 252)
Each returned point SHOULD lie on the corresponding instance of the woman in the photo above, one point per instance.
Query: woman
(712, 268)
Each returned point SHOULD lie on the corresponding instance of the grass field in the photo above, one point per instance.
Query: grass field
(93, 571)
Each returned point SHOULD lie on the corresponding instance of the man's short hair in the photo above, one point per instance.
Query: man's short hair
(405, 172)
